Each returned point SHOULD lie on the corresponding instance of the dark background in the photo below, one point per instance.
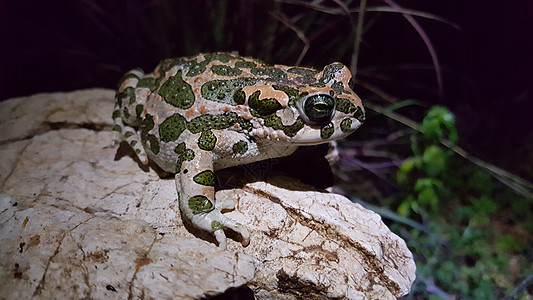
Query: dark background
(51, 46)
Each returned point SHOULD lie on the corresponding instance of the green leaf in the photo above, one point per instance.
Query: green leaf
(427, 183)
(434, 160)
(403, 209)
(485, 205)
(439, 123)
(407, 204)
(480, 181)
(407, 166)
(428, 197)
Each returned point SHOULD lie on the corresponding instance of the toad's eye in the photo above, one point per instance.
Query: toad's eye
(319, 108)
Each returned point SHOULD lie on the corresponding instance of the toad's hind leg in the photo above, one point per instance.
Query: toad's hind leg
(196, 193)
(124, 114)
(129, 134)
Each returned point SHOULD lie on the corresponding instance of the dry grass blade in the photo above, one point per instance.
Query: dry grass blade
(406, 11)
(298, 32)
(377, 91)
(412, 12)
(427, 42)
(358, 36)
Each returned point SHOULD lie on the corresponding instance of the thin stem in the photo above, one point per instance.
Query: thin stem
(428, 43)
(298, 32)
(358, 35)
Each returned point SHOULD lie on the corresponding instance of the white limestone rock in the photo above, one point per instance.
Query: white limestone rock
(81, 219)
(320, 242)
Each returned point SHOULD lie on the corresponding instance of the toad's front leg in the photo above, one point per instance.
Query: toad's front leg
(196, 193)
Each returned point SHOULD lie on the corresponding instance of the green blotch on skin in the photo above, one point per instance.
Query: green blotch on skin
(306, 76)
(218, 122)
(274, 74)
(215, 225)
(128, 92)
(116, 114)
(196, 68)
(293, 129)
(351, 83)
(327, 131)
(207, 141)
(146, 125)
(172, 128)
(359, 114)
(239, 97)
(329, 72)
(126, 112)
(200, 204)
(206, 178)
(158, 81)
(263, 106)
(240, 147)
(190, 63)
(147, 82)
(317, 84)
(154, 143)
(184, 154)
(133, 143)
(121, 94)
(167, 64)
(338, 87)
(346, 125)
(139, 110)
(129, 75)
(273, 121)
(303, 72)
(128, 134)
(225, 70)
(117, 128)
(223, 90)
(245, 64)
(177, 92)
(344, 106)
(223, 57)
(132, 96)
(293, 93)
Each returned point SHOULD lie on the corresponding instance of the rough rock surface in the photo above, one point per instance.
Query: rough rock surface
(81, 219)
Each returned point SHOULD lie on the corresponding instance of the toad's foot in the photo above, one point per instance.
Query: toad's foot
(215, 222)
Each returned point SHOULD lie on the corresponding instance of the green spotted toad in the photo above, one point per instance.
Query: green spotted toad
(195, 115)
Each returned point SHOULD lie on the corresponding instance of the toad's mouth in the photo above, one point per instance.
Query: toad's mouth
(313, 135)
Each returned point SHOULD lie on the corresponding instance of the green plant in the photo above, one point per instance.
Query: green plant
(465, 247)
(429, 161)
